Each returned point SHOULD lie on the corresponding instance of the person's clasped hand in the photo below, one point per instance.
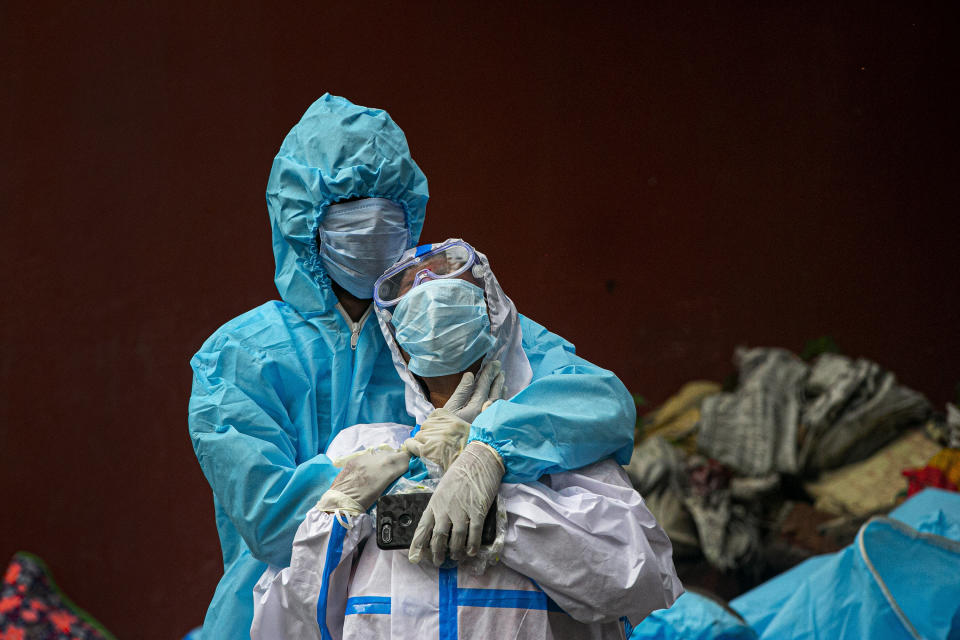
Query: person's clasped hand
(443, 434)
(364, 477)
(458, 507)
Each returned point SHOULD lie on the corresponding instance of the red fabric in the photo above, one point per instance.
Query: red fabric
(920, 479)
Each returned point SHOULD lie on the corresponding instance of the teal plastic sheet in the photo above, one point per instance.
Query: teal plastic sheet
(692, 617)
(899, 579)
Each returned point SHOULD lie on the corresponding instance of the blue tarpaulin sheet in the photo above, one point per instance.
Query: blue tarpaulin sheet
(900, 579)
(692, 617)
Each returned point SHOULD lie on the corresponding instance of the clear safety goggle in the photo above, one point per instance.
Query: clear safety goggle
(447, 261)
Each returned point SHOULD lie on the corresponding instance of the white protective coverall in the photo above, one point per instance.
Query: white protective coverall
(582, 553)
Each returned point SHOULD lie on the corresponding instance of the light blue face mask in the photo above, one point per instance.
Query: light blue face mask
(360, 240)
(443, 326)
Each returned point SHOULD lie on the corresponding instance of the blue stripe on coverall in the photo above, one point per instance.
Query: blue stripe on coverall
(448, 604)
(506, 599)
(334, 551)
(368, 604)
(452, 597)
(501, 598)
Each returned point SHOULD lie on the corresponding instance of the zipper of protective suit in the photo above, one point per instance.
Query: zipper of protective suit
(355, 327)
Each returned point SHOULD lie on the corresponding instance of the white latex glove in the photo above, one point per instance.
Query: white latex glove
(458, 507)
(364, 477)
(443, 434)
(470, 399)
(443, 438)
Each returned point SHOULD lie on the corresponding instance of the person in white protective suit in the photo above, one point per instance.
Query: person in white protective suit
(578, 556)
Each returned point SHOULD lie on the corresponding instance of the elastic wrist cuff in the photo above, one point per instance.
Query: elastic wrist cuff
(334, 500)
(480, 443)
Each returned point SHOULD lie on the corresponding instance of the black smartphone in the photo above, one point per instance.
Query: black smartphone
(399, 514)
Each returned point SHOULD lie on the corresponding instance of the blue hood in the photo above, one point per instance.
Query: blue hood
(337, 151)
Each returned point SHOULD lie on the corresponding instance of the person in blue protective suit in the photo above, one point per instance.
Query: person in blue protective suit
(274, 386)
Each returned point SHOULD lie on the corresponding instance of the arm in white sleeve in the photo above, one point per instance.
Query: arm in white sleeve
(591, 544)
(312, 591)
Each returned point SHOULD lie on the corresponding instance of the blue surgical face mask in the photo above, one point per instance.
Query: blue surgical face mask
(360, 240)
(443, 326)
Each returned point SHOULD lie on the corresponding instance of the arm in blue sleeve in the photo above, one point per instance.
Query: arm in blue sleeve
(571, 414)
(243, 413)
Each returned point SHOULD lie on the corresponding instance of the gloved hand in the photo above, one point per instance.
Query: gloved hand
(470, 399)
(443, 434)
(459, 505)
(364, 477)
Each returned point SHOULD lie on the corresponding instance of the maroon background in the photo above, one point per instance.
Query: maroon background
(658, 185)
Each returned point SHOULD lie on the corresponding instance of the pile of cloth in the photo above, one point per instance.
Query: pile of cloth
(790, 417)
(787, 461)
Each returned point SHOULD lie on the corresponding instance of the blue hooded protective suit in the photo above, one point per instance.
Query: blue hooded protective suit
(273, 386)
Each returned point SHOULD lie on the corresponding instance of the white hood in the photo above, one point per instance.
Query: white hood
(504, 326)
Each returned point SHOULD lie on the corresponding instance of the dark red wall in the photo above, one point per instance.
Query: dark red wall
(658, 185)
